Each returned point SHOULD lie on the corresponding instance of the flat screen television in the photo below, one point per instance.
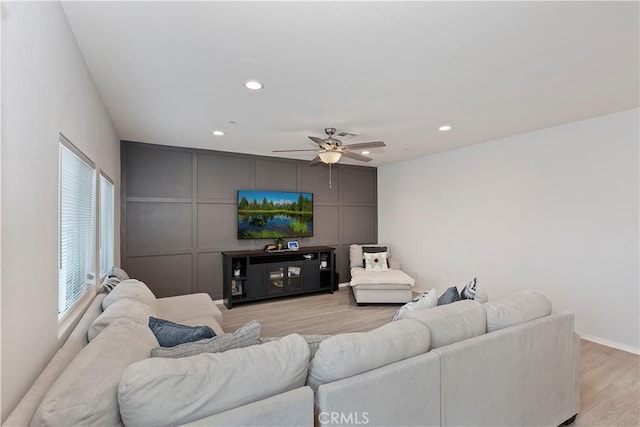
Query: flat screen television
(271, 214)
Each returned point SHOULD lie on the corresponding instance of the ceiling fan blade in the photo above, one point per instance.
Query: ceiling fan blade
(363, 145)
(321, 142)
(290, 151)
(315, 160)
(356, 156)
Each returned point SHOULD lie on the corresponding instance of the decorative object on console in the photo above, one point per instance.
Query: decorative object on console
(237, 268)
(248, 334)
(170, 334)
(274, 214)
(279, 243)
(426, 299)
(376, 261)
(323, 260)
(293, 245)
(449, 296)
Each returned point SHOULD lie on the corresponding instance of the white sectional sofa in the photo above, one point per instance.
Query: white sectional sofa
(508, 362)
(511, 362)
(80, 384)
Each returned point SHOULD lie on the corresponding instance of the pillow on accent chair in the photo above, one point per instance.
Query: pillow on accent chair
(376, 261)
(373, 250)
(449, 296)
(246, 335)
(171, 334)
(424, 300)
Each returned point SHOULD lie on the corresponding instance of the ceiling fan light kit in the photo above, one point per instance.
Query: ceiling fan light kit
(330, 157)
(330, 150)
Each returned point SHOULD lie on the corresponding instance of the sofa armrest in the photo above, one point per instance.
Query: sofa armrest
(292, 408)
(394, 263)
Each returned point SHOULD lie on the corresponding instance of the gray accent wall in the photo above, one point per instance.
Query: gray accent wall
(179, 211)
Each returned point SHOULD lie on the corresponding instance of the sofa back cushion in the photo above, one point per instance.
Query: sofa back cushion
(345, 355)
(452, 322)
(133, 289)
(516, 308)
(160, 391)
(86, 392)
(125, 308)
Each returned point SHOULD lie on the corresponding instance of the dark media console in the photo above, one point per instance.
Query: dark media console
(257, 275)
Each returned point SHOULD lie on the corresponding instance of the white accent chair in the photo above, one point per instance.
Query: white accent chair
(378, 287)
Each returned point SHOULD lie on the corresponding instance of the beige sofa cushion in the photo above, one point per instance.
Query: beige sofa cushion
(516, 308)
(159, 392)
(452, 322)
(346, 355)
(183, 307)
(86, 392)
(125, 308)
(133, 289)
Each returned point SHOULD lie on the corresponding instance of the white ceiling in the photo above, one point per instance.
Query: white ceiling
(171, 72)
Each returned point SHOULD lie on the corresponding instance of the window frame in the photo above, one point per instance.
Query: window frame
(65, 144)
(103, 176)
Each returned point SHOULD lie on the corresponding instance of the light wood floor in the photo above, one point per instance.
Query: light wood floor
(609, 382)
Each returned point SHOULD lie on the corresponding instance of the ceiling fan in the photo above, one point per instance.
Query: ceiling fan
(331, 149)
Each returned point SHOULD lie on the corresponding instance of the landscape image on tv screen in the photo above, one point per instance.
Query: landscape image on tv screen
(272, 214)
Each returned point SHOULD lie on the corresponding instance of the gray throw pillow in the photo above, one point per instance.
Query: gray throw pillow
(449, 296)
(313, 341)
(245, 336)
(171, 334)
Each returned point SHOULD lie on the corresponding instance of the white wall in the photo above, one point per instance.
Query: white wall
(554, 210)
(46, 90)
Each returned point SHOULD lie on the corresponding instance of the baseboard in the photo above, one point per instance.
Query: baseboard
(218, 302)
(343, 285)
(609, 343)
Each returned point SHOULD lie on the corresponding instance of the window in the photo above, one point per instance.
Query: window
(76, 228)
(106, 225)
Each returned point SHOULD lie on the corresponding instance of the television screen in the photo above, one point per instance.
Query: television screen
(271, 214)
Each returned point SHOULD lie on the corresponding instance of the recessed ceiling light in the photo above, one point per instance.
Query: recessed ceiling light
(218, 133)
(444, 128)
(365, 152)
(253, 85)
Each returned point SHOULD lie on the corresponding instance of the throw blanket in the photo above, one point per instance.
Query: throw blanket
(359, 276)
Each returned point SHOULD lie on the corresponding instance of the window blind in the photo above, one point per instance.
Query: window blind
(76, 232)
(106, 226)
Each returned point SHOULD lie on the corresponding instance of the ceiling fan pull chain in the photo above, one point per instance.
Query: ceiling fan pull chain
(329, 176)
